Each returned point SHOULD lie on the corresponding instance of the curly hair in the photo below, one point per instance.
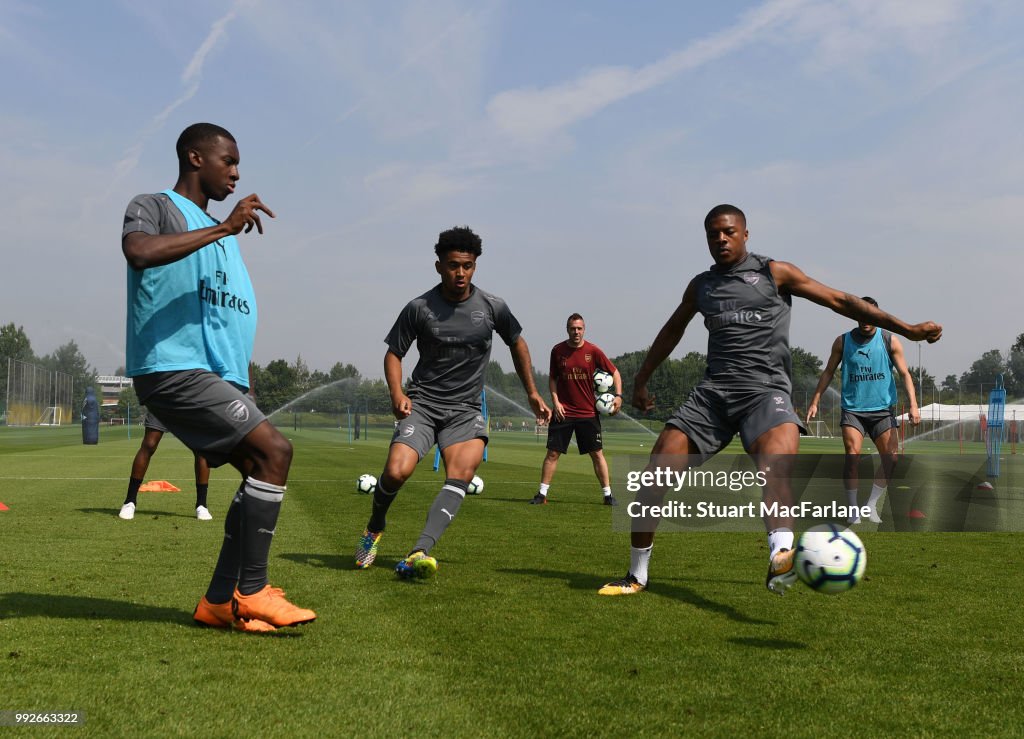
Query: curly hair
(460, 238)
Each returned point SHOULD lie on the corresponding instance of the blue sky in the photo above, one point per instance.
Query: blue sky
(876, 144)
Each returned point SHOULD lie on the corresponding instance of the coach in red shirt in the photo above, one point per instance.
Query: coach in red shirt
(571, 381)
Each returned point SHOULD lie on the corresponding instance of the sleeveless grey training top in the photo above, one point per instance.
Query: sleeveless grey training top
(748, 325)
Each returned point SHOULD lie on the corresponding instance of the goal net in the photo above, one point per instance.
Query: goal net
(37, 396)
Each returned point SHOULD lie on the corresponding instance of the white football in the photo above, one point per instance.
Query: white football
(476, 486)
(830, 559)
(366, 484)
(603, 381)
(604, 403)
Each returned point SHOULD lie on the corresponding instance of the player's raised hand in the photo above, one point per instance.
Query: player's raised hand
(245, 214)
(927, 331)
(641, 399)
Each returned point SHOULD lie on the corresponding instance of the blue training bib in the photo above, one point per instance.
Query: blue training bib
(196, 313)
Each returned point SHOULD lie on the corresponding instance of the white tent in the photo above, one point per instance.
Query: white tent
(943, 412)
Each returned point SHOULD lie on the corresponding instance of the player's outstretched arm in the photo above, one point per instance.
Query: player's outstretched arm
(524, 368)
(791, 279)
(826, 376)
(900, 361)
(143, 250)
(667, 339)
(401, 406)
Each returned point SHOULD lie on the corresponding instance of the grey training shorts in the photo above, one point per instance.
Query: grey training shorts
(209, 416)
(713, 415)
(154, 423)
(428, 424)
(869, 423)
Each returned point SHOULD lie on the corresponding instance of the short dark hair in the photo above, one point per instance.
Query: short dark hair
(723, 210)
(573, 317)
(196, 136)
(870, 301)
(460, 238)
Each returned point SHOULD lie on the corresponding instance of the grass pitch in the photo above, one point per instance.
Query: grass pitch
(510, 639)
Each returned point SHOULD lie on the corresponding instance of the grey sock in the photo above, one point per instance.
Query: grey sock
(225, 574)
(261, 502)
(382, 500)
(441, 513)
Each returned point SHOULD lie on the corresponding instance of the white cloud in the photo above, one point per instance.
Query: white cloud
(531, 115)
(191, 78)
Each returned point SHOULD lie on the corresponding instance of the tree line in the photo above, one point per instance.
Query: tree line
(293, 387)
(67, 358)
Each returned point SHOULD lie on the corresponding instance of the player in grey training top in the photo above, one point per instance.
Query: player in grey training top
(745, 301)
(748, 325)
(454, 344)
(452, 326)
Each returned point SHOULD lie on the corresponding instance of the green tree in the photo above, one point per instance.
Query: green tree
(303, 377)
(275, 386)
(14, 344)
(1014, 381)
(924, 384)
(377, 397)
(670, 384)
(950, 389)
(69, 360)
(128, 406)
(976, 382)
(342, 371)
(807, 369)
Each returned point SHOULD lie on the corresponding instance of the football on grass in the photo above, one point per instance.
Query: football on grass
(830, 559)
(366, 484)
(476, 486)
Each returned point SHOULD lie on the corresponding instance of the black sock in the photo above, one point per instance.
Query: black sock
(201, 495)
(261, 503)
(225, 574)
(441, 513)
(133, 490)
(382, 500)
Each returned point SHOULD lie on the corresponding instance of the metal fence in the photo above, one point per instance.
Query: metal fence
(37, 396)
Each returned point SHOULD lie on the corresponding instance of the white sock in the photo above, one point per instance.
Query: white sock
(607, 490)
(544, 489)
(778, 540)
(638, 561)
(876, 494)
